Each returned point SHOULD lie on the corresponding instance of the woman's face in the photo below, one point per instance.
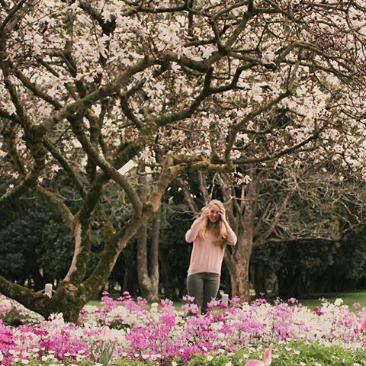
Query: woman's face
(214, 215)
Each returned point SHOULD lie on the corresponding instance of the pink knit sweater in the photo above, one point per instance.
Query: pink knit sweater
(206, 256)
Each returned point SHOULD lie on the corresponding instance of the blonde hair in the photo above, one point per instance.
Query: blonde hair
(218, 228)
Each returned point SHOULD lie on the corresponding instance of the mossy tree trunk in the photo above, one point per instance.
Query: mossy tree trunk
(148, 255)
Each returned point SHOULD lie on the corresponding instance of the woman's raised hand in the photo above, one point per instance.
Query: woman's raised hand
(205, 212)
(222, 214)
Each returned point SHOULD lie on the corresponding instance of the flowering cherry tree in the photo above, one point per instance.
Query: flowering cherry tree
(88, 87)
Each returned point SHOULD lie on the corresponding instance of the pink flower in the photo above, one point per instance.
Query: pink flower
(261, 301)
(356, 305)
(292, 300)
(363, 325)
(105, 334)
(267, 359)
(318, 311)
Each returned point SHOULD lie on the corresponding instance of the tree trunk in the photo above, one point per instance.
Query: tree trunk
(148, 273)
(238, 268)
(33, 269)
(289, 282)
(259, 279)
(130, 274)
(169, 288)
(68, 300)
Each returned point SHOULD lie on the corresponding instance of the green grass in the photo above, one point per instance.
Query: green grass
(95, 303)
(349, 298)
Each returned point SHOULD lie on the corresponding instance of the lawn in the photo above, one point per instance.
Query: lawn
(349, 298)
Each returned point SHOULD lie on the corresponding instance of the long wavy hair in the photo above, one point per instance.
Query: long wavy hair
(217, 228)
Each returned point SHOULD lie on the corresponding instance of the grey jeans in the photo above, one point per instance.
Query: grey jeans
(203, 287)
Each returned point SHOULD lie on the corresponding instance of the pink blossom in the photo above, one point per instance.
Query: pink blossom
(292, 300)
(261, 301)
(267, 359)
(105, 334)
(363, 324)
(318, 311)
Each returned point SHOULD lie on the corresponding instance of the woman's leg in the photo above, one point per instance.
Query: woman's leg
(210, 289)
(195, 287)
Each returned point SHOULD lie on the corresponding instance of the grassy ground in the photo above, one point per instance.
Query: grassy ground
(349, 298)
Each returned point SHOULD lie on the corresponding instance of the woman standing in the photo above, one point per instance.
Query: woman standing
(210, 233)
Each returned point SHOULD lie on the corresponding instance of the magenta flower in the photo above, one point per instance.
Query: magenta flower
(363, 322)
(267, 359)
(261, 301)
(292, 300)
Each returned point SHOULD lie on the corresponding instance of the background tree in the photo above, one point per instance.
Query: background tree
(309, 210)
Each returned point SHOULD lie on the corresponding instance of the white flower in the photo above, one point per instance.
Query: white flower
(244, 179)
(338, 302)
(169, 34)
(102, 45)
(106, 15)
(206, 52)
(268, 57)
(256, 93)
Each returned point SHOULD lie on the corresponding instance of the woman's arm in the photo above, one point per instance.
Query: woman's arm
(231, 237)
(192, 233)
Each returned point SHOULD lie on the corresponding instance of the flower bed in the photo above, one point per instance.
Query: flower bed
(129, 331)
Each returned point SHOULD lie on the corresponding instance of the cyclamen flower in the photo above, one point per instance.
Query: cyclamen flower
(363, 323)
(292, 300)
(267, 359)
(261, 301)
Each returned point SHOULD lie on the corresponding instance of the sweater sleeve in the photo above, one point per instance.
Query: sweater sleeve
(192, 233)
(231, 238)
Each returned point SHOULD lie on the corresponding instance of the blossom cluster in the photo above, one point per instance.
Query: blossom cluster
(161, 333)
